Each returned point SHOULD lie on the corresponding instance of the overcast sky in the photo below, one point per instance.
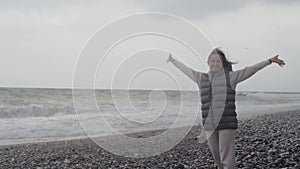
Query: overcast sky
(41, 40)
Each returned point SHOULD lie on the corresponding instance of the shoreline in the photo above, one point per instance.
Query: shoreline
(70, 138)
(269, 141)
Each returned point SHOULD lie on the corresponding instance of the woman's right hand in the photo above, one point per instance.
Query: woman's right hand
(170, 58)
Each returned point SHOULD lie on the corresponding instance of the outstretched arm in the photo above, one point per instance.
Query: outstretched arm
(186, 70)
(243, 74)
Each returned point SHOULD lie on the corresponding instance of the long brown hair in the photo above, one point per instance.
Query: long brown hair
(227, 65)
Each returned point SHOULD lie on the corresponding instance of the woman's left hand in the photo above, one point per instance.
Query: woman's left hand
(278, 61)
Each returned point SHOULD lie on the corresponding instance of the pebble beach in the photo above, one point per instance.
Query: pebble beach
(265, 141)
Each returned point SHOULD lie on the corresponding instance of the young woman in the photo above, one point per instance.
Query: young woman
(219, 115)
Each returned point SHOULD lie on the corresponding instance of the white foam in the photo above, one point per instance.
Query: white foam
(54, 119)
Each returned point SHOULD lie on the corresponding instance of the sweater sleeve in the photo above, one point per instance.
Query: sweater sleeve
(192, 74)
(245, 73)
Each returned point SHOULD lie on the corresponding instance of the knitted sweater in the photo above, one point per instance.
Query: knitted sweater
(218, 93)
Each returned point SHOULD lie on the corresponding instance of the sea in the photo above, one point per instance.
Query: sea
(45, 114)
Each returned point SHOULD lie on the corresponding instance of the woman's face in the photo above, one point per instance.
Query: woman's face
(215, 63)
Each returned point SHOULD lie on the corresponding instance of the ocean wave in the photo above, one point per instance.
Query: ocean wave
(34, 110)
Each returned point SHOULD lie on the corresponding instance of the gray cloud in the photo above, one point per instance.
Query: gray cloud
(192, 8)
(195, 9)
(40, 40)
(36, 4)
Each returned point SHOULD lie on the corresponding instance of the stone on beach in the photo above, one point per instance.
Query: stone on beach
(267, 141)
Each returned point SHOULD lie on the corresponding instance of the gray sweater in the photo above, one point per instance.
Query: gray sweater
(234, 76)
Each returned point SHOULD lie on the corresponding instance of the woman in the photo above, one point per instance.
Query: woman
(218, 101)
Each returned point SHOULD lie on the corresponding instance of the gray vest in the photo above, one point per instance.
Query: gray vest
(218, 102)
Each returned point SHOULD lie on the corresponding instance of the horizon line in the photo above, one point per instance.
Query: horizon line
(136, 89)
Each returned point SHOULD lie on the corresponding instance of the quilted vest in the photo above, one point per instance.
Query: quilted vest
(218, 102)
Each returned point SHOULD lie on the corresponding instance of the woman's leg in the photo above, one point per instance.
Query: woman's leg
(227, 148)
(213, 143)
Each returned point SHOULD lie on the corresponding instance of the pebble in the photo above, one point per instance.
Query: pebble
(267, 141)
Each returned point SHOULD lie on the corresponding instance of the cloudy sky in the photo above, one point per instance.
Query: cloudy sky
(41, 41)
